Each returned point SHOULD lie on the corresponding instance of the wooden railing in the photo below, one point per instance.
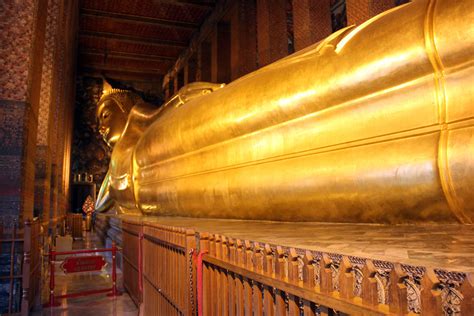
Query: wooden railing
(69, 222)
(242, 277)
(23, 265)
(246, 278)
(131, 233)
(57, 225)
(76, 226)
(168, 271)
(11, 242)
(31, 272)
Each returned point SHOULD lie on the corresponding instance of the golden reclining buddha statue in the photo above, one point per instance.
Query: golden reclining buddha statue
(374, 124)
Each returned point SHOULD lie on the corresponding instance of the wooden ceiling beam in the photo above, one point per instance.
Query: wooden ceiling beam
(134, 39)
(220, 9)
(139, 19)
(192, 3)
(121, 75)
(134, 70)
(123, 55)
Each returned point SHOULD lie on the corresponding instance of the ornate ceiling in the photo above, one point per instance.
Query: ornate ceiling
(136, 39)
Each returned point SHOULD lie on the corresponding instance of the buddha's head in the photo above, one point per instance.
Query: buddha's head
(112, 112)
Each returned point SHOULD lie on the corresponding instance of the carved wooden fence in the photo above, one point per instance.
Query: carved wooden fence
(132, 243)
(168, 271)
(242, 277)
(31, 272)
(22, 265)
(247, 278)
(57, 225)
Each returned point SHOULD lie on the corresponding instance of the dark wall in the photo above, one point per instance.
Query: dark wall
(89, 152)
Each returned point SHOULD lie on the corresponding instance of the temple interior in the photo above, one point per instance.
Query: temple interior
(236, 157)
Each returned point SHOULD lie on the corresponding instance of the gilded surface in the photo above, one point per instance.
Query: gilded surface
(373, 124)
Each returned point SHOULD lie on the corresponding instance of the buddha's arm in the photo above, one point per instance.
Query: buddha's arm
(104, 201)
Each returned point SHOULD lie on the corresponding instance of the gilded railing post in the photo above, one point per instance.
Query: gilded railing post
(239, 256)
(308, 282)
(213, 275)
(268, 300)
(369, 284)
(207, 292)
(248, 283)
(346, 279)
(230, 277)
(280, 274)
(467, 291)
(224, 280)
(26, 282)
(398, 291)
(257, 290)
(325, 275)
(219, 289)
(190, 242)
(232, 250)
(293, 277)
(430, 294)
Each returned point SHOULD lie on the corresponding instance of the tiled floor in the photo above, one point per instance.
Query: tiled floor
(96, 305)
(449, 247)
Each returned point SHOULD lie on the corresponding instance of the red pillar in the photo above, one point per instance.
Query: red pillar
(186, 73)
(190, 70)
(359, 11)
(21, 50)
(243, 25)
(220, 69)
(204, 62)
(311, 21)
(167, 92)
(171, 87)
(272, 34)
(176, 84)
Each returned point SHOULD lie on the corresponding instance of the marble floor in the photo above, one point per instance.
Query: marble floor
(96, 305)
(449, 247)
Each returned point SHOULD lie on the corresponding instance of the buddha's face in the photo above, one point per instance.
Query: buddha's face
(112, 121)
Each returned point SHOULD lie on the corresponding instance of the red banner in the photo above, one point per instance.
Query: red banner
(83, 264)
